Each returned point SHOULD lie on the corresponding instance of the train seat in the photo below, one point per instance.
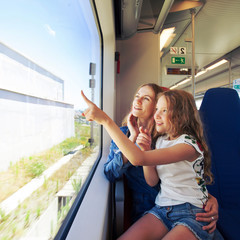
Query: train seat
(119, 207)
(220, 113)
(122, 207)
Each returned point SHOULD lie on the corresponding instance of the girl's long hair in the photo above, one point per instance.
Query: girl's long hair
(184, 119)
(157, 89)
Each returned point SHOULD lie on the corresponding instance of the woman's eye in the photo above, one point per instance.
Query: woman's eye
(147, 99)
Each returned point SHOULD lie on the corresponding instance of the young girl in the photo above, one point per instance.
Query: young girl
(182, 162)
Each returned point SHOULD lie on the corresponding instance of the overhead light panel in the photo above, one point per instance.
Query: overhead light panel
(184, 81)
(201, 73)
(181, 82)
(211, 67)
(166, 37)
(217, 64)
(174, 86)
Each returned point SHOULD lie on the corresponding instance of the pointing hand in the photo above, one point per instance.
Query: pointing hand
(93, 113)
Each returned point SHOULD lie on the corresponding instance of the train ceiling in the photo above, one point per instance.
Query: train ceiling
(217, 27)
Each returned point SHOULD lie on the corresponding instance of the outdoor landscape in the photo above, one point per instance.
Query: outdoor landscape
(15, 224)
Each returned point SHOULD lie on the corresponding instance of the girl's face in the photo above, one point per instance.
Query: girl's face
(161, 116)
(143, 105)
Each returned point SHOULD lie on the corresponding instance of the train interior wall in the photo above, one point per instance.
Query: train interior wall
(139, 64)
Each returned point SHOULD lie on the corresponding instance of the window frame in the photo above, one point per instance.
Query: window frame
(67, 222)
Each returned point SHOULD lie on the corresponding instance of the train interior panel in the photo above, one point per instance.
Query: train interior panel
(52, 177)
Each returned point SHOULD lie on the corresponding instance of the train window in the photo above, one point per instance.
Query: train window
(49, 52)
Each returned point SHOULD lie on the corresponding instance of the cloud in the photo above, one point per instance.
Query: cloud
(50, 30)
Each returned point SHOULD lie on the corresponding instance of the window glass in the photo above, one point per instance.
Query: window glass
(47, 148)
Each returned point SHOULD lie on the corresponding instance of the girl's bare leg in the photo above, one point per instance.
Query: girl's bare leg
(146, 228)
(178, 233)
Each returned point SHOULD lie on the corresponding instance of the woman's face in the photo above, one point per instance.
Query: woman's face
(143, 105)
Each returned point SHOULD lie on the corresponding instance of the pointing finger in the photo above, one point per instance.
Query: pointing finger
(89, 103)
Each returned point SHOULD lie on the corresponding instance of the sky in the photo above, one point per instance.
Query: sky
(55, 35)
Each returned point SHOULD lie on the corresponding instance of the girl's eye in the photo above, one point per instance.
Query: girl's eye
(147, 99)
(164, 110)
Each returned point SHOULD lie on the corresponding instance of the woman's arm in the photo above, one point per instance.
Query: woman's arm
(173, 154)
(211, 214)
(117, 164)
(133, 127)
(133, 132)
(114, 168)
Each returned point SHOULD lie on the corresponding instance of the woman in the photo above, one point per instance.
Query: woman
(142, 195)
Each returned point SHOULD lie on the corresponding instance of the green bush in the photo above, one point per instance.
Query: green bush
(35, 169)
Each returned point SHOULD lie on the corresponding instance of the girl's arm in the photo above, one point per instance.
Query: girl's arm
(151, 176)
(173, 154)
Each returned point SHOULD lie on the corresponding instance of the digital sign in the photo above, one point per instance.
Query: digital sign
(179, 71)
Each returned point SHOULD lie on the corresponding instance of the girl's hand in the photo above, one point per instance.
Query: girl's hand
(211, 214)
(144, 139)
(132, 126)
(93, 113)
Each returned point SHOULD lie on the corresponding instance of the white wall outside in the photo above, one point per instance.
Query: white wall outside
(33, 114)
(30, 125)
(19, 74)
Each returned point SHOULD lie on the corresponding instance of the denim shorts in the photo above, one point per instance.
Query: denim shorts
(183, 214)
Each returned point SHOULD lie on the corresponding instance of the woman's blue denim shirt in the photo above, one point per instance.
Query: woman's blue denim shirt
(142, 194)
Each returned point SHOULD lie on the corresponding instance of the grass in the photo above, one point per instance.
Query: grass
(33, 166)
(13, 225)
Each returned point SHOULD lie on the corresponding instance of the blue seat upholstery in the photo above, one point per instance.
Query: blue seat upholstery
(220, 113)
